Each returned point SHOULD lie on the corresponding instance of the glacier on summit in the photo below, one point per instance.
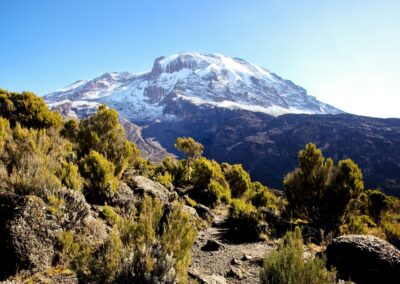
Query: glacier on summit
(211, 80)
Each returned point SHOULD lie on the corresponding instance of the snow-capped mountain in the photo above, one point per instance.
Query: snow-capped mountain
(235, 109)
(211, 80)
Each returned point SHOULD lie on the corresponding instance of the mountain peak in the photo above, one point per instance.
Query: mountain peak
(211, 80)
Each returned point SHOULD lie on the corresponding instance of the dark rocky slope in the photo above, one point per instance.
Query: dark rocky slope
(267, 146)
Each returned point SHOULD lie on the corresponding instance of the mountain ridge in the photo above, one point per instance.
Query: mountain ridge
(213, 79)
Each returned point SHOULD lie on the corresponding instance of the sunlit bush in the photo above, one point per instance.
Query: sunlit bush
(287, 266)
(101, 183)
(209, 184)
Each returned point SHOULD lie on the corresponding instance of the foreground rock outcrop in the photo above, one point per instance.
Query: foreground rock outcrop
(364, 259)
(28, 233)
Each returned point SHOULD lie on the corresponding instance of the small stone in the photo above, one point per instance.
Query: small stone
(235, 272)
(236, 261)
(247, 257)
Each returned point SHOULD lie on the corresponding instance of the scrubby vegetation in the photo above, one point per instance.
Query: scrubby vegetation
(71, 165)
(287, 265)
(333, 199)
(75, 168)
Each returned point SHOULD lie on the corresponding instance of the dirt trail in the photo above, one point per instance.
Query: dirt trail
(219, 263)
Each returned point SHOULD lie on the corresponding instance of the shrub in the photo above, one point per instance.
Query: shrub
(191, 149)
(321, 193)
(27, 109)
(357, 225)
(102, 133)
(110, 215)
(165, 179)
(287, 266)
(377, 203)
(238, 179)
(70, 130)
(244, 220)
(147, 264)
(4, 133)
(209, 184)
(392, 233)
(306, 186)
(101, 183)
(178, 237)
(390, 223)
(74, 207)
(70, 177)
(260, 196)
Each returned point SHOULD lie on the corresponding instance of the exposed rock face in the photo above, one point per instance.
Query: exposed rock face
(364, 259)
(27, 234)
(144, 185)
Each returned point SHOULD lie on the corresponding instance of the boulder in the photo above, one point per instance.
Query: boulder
(204, 212)
(213, 245)
(124, 198)
(143, 185)
(207, 279)
(364, 259)
(191, 211)
(28, 232)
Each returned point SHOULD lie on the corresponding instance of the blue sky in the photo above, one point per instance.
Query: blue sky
(346, 53)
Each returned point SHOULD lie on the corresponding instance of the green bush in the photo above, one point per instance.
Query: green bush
(4, 133)
(357, 224)
(103, 133)
(110, 215)
(27, 109)
(70, 177)
(191, 149)
(104, 264)
(101, 183)
(209, 184)
(178, 237)
(238, 179)
(261, 196)
(287, 266)
(319, 192)
(244, 220)
(165, 179)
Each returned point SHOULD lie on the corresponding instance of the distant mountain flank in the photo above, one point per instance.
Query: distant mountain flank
(241, 112)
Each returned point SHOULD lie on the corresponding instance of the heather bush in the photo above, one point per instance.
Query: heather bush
(69, 176)
(4, 133)
(27, 109)
(192, 151)
(209, 184)
(261, 196)
(287, 266)
(244, 220)
(165, 179)
(109, 214)
(178, 237)
(100, 182)
(238, 179)
(321, 193)
(103, 133)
